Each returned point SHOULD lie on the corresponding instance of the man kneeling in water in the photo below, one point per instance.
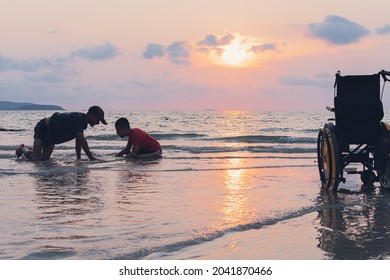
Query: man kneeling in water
(61, 128)
(140, 143)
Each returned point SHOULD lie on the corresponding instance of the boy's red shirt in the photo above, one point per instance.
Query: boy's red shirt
(143, 140)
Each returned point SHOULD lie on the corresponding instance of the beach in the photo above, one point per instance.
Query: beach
(230, 185)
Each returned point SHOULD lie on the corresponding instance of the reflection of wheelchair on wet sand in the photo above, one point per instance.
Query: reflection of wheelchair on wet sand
(357, 134)
(354, 227)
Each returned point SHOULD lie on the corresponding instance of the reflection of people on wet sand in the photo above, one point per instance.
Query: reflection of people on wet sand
(140, 144)
(63, 127)
(24, 152)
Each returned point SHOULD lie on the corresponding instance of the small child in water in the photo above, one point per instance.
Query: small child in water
(24, 152)
(139, 144)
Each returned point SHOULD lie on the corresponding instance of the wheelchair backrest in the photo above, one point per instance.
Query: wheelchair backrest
(358, 107)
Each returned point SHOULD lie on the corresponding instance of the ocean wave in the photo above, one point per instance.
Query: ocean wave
(59, 167)
(146, 253)
(104, 137)
(276, 156)
(7, 150)
(264, 139)
(11, 129)
(228, 139)
(172, 136)
(158, 136)
(68, 146)
(252, 149)
(192, 169)
(310, 130)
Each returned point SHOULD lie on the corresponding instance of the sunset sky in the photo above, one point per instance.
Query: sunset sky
(184, 55)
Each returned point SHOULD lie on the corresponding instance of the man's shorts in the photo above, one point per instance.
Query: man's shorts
(40, 131)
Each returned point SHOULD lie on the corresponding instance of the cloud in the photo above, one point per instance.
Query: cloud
(210, 40)
(178, 52)
(9, 87)
(28, 65)
(46, 78)
(142, 84)
(55, 63)
(383, 30)
(263, 47)
(153, 50)
(181, 52)
(338, 30)
(5, 63)
(303, 81)
(99, 52)
(213, 41)
(33, 64)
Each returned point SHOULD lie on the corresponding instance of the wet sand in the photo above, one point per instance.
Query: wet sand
(294, 239)
(352, 224)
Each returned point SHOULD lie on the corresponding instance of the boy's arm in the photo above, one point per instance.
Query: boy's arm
(125, 151)
(81, 142)
(134, 152)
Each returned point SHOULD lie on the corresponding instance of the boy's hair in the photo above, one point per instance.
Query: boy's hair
(122, 123)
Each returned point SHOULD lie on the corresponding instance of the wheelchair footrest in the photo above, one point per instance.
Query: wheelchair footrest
(351, 170)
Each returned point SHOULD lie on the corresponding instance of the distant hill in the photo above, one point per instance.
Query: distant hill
(6, 105)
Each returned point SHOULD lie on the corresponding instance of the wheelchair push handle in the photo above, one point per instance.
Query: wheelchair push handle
(385, 74)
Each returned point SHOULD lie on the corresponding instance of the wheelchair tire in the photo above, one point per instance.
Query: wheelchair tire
(328, 157)
(368, 177)
(384, 167)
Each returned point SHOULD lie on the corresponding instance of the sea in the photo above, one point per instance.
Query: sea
(230, 185)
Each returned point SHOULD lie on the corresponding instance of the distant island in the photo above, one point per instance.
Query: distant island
(6, 105)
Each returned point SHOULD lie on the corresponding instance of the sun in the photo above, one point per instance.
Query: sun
(238, 52)
(232, 50)
(234, 54)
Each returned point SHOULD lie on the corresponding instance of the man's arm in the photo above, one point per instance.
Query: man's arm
(80, 139)
(78, 148)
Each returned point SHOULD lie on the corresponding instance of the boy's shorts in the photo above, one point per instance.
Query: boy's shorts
(145, 152)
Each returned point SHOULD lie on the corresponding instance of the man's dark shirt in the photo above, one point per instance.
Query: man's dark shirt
(65, 126)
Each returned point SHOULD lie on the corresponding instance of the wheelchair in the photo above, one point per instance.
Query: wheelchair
(356, 136)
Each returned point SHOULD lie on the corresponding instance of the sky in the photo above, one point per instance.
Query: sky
(188, 55)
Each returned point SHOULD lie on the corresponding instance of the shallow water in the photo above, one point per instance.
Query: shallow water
(231, 185)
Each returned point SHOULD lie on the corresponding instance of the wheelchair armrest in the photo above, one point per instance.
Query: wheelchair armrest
(330, 109)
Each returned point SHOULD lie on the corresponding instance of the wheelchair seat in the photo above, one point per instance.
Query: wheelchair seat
(358, 109)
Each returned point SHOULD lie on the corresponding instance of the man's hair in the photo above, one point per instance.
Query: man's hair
(122, 123)
(98, 112)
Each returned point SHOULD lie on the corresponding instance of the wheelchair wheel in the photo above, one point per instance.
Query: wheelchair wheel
(368, 177)
(384, 168)
(328, 157)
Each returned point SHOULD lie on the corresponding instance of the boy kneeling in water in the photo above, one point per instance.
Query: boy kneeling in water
(140, 143)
